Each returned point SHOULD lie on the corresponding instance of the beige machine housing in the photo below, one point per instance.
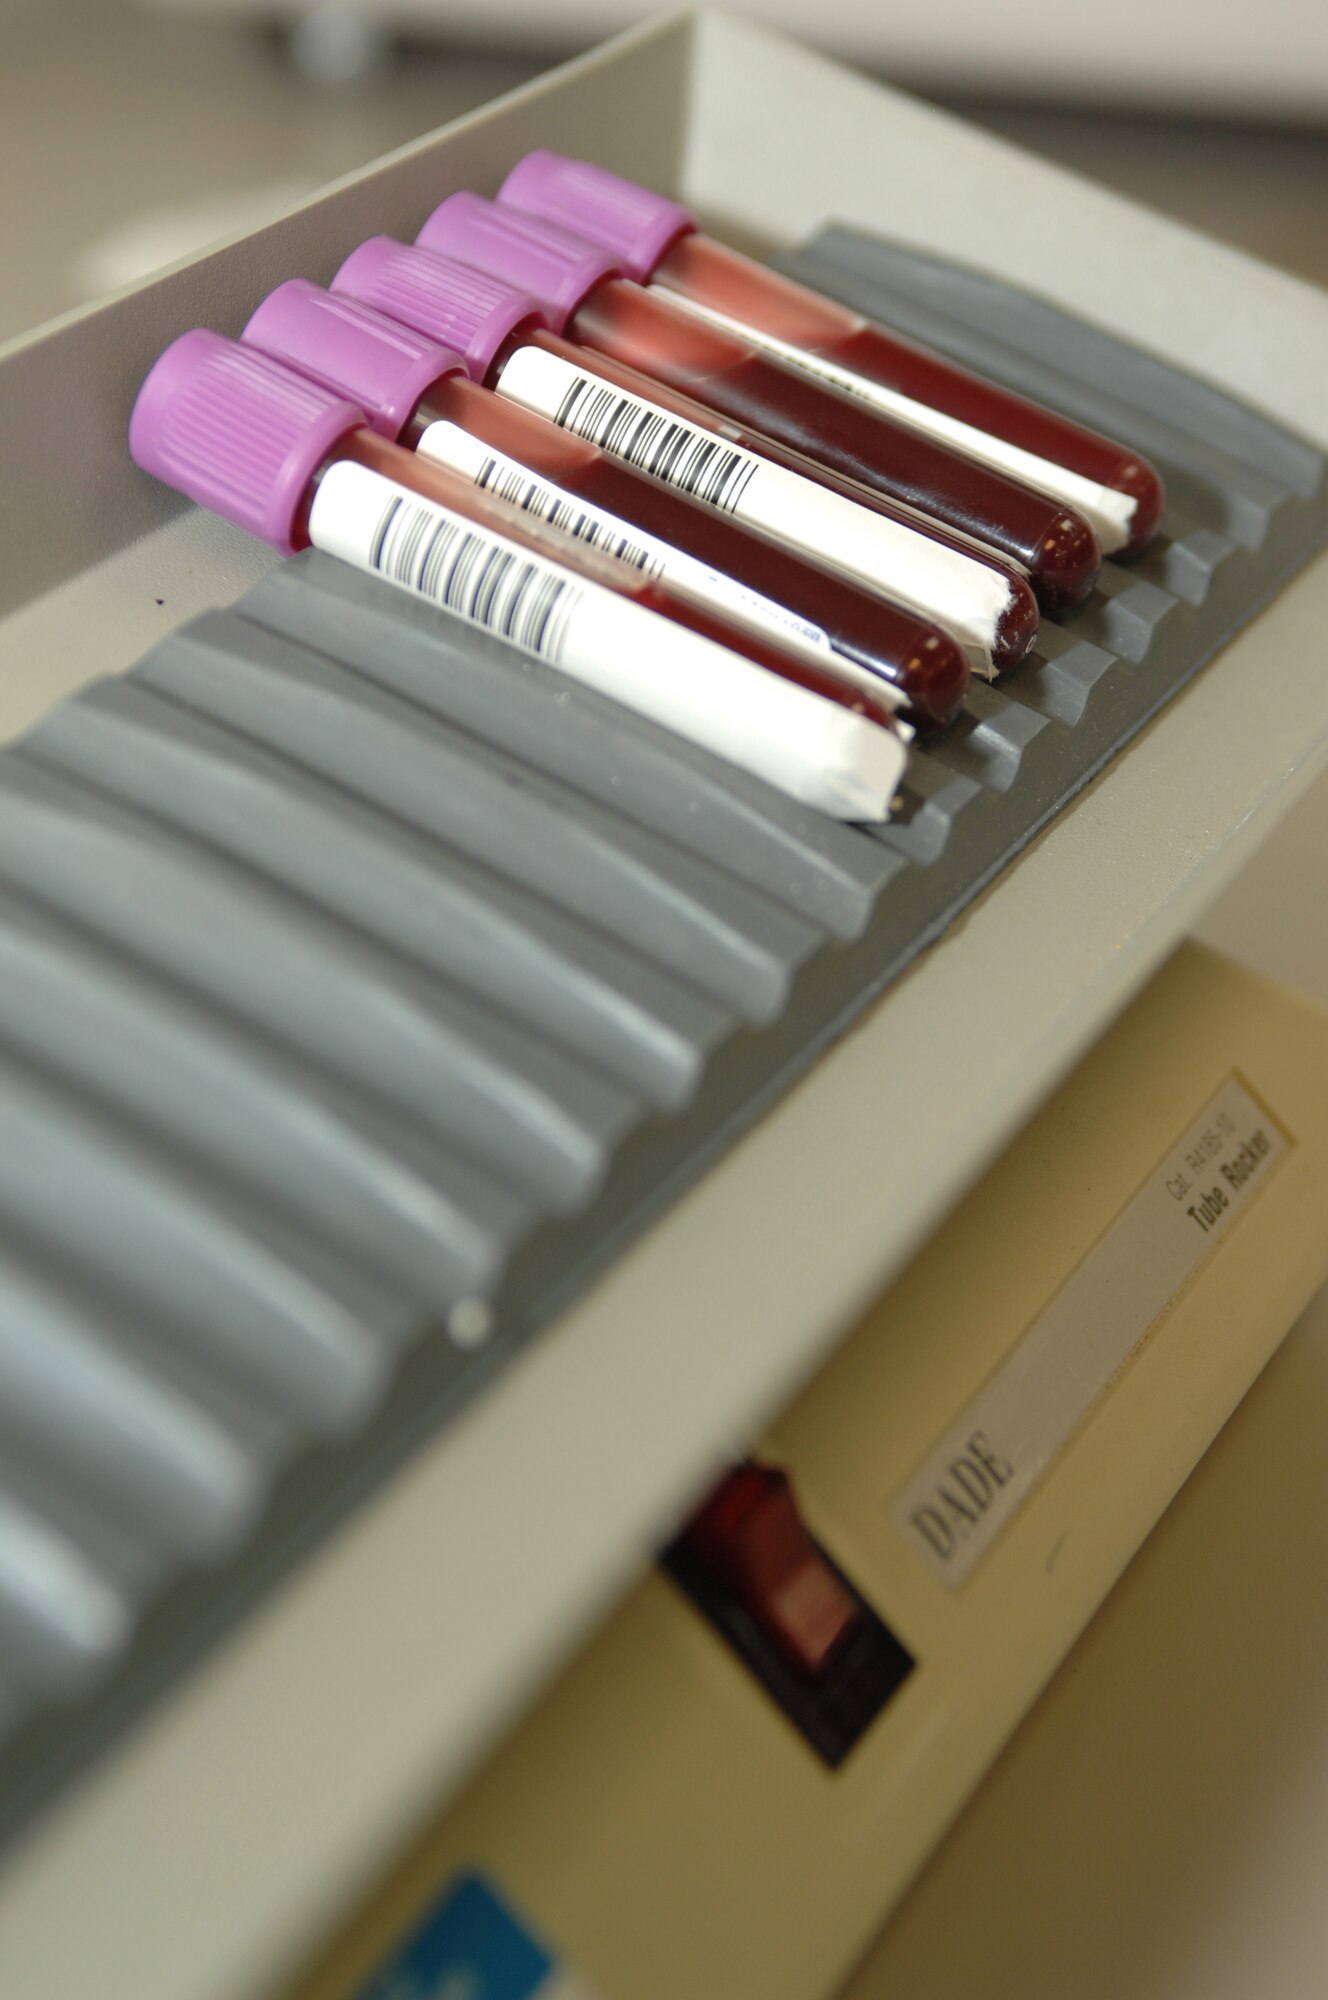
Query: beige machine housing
(657, 1817)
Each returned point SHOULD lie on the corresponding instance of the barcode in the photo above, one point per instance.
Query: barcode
(470, 573)
(657, 443)
(509, 482)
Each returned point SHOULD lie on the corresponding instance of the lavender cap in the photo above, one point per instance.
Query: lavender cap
(236, 432)
(558, 267)
(348, 347)
(627, 220)
(465, 310)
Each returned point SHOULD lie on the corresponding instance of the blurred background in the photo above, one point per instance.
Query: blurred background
(135, 131)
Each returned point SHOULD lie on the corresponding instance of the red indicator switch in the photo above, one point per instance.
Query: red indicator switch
(751, 1540)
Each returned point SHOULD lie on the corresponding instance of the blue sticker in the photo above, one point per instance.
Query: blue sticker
(470, 1946)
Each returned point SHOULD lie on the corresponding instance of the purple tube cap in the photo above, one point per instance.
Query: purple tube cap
(462, 309)
(380, 364)
(629, 221)
(558, 267)
(236, 432)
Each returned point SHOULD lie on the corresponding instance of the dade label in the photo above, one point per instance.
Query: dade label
(967, 1490)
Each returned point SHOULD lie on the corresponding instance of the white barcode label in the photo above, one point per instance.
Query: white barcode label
(449, 445)
(814, 749)
(481, 577)
(1111, 514)
(698, 462)
(938, 582)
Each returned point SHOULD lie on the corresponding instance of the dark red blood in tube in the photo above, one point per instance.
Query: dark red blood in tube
(700, 268)
(649, 237)
(1019, 622)
(728, 373)
(452, 489)
(473, 307)
(408, 382)
(919, 658)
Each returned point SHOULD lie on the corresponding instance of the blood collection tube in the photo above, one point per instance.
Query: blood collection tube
(725, 369)
(296, 465)
(973, 594)
(418, 393)
(657, 242)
